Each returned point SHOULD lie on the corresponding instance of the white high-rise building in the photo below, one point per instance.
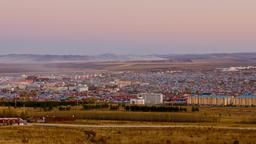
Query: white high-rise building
(152, 98)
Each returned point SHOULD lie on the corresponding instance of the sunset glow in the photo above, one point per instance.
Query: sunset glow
(127, 27)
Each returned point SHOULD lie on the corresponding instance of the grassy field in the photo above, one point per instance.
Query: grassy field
(207, 116)
(216, 115)
(173, 135)
(75, 114)
(40, 135)
(44, 135)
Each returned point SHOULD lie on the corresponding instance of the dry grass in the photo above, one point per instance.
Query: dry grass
(41, 135)
(231, 115)
(173, 136)
(56, 115)
(44, 135)
(215, 115)
(129, 116)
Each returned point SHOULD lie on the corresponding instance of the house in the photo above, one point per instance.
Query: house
(138, 101)
(12, 121)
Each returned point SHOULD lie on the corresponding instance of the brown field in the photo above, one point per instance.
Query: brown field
(213, 115)
(169, 65)
(202, 127)
(56, 135)
(120, 66)
(173, 136)
(41, 135)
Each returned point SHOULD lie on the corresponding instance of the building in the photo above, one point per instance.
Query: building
(245, 100)
(12, 121)
(82, 88)
(152, 98)
(210, 100)
(123, 83)
(138, 101)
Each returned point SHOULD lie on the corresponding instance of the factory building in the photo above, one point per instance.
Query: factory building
(152, 98)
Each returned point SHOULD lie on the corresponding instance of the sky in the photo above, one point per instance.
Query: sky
(127, 26)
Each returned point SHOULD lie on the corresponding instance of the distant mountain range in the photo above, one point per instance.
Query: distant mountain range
(35, 58)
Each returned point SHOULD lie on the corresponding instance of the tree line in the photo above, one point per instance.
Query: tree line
(37, 104)
(95, 106)
(155, 108)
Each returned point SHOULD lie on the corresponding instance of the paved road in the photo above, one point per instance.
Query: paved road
(141, 126)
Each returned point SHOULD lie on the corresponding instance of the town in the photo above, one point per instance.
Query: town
(221, 86)
(127, 72)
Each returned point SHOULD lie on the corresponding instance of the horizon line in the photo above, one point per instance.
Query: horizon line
(153, 54)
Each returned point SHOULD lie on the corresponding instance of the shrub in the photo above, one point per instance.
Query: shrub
(155, 108)
(65, 108)
(95, 106)
(114, 107)
(195, 109)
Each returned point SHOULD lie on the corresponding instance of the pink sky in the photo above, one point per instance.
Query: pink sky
(208, 24)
